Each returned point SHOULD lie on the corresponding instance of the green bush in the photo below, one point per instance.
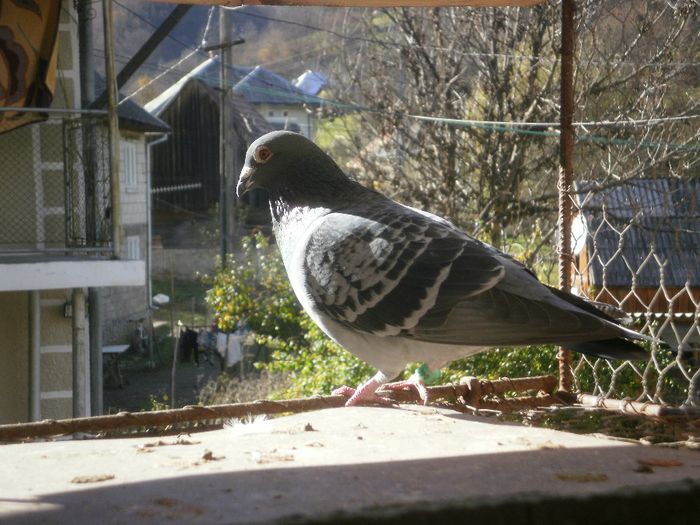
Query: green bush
(254, 290)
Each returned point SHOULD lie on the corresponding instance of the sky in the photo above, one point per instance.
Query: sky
(135, 20)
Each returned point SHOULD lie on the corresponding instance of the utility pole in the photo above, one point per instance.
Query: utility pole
(225, 184)
(87, 95)
(112, 102)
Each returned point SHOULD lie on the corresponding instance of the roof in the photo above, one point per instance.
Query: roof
(132, 116)
(310, 82)
(261, 86)
(640, 225)
(249, 123)
(158, 104)
(257, 84)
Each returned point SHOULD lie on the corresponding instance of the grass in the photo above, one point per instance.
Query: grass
(229, 388)
(186, 304)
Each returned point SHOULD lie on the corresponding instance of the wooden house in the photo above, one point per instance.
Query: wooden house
(186, 175)
(637, 244)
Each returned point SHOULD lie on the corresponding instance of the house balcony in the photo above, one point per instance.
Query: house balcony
(55, 208)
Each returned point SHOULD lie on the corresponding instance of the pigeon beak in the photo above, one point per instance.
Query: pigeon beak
(245, 182)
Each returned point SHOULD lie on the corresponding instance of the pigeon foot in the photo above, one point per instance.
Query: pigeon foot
(365, 394)
(414, 383)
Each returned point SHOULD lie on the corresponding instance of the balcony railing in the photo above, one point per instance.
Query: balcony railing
(56, 189)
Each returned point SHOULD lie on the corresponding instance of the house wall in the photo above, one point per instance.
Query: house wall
(284, 116)
(121, 305)
(31, 214)
(190, 155)
(32, 205)
(134, 195)
(14, 356)
(56, 379)
(56, 355)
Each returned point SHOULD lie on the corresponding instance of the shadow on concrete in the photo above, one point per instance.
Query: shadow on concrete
(547, 486)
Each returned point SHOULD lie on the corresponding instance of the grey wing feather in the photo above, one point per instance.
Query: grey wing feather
(397, 272)
(381, 274)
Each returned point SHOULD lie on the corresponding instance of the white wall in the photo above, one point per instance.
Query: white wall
(288, 114)
(134, 196)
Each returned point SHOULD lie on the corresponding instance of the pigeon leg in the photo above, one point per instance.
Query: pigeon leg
(365, 394)
(415, 382)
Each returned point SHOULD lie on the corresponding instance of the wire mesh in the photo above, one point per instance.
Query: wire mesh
(636, 225)
(57, 189)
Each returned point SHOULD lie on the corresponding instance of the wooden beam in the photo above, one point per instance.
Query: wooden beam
(363, 3)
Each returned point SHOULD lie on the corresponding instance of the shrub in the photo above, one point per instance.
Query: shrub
(254, 291)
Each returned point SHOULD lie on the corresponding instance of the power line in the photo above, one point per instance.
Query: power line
(390, 43)
(501, 126)
(204, 36)
(147, 21)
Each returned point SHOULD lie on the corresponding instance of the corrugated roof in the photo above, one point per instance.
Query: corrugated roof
(640, 226)
(310, 82)
(158, 104)
(132, 116)
(257, 84)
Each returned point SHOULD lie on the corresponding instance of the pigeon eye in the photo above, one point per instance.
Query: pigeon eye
(263, 154)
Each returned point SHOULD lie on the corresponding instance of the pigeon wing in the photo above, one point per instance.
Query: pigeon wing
(391, 271)
(398, 272)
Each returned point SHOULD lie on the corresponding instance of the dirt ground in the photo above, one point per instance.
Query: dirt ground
(141, 385)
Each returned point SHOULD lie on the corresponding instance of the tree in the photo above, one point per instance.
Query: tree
(502, 65)
(482, 64)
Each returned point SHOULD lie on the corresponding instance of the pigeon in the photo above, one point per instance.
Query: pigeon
(393, 284)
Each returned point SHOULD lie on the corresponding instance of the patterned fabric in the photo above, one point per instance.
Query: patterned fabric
(28, 55)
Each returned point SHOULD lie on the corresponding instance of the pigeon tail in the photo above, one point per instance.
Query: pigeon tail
(616, 348)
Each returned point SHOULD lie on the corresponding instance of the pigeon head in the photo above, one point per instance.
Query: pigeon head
(290, 167)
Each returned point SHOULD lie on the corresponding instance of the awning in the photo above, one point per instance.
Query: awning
(28, 54)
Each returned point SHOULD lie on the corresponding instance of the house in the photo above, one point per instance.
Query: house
(310, 82)
(186, 174)
(56, 244)
(637, 245)
(139, 131)
(283, 104)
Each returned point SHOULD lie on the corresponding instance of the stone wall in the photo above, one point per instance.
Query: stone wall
(185, 263)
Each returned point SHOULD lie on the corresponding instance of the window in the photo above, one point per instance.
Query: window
(128, 163)
(133, 247)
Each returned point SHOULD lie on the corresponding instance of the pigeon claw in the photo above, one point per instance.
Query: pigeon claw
(413, 383)
(363, 395)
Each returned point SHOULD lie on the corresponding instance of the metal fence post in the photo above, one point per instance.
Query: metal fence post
(566, 171)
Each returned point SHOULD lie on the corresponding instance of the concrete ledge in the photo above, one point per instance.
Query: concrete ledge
(66, 273)
(358, 465)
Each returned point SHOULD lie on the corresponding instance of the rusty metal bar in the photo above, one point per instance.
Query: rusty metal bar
(363, 3)
(124, 420)
(566, 171)
(636, 408)
(518, 403)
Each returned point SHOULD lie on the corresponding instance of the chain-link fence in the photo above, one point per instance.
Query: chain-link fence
(636, 226)
(56, 186)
